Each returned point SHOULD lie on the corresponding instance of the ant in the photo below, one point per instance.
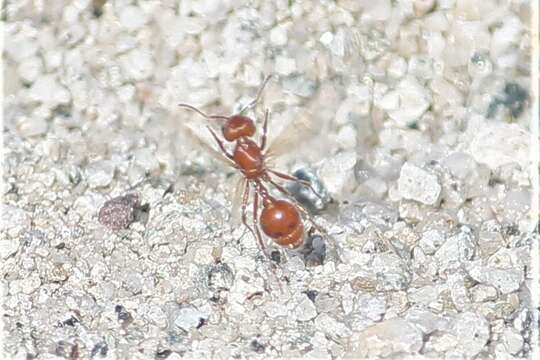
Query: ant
(280, 219)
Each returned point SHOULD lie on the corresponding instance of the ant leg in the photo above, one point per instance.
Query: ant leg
(256, 233)
(220, 143)
(245, 199)
(259, 238)
(256, 223)
(293, 178)
(265, 130)
(257, 97)
(193, 108)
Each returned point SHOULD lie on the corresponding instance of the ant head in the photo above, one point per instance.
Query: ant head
(238, 126)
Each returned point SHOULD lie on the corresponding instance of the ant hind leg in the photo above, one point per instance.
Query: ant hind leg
(297, 180)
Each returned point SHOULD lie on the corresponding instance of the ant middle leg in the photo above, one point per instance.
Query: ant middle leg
(256, 233)
(256, 223)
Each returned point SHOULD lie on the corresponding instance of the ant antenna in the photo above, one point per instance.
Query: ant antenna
(193, 108)
(258, 97)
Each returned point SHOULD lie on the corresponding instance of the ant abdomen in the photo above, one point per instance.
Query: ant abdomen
(281, 221)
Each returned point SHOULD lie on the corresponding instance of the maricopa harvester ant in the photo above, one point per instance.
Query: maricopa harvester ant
(280, 219)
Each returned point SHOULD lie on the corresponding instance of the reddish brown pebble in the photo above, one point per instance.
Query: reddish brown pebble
(119, 213)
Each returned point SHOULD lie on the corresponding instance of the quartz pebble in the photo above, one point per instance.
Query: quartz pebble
(305, 310)
(390, 337)
(505, 280)
(513, 341)
(33, 126)
(137, 64)
(132, 18)
(337, 172)
(417, 184)
(472, 333)
(285, 65)
(100, 173)
(49, 92)
(414, 100)
(189, 318)
(485, 146)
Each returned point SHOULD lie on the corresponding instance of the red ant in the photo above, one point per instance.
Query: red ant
(280, 219)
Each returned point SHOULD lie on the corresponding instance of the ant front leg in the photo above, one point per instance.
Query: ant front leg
(245, 199)
(220, 143)
(257, 97)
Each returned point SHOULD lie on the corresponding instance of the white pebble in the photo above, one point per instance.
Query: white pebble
(192, 25)
(326, 38)
(338, 171)
(506, 280)
(53, 59)
(8, 247)
(14, 220)
(30, 284)
(100, 173)
(472, 332)
(189, 318)
(389, 101)
(305, 310)
(390, 338)
(19, 47)
(137, 64)
(512, 340)
(350, 109)
(486, 145)
(414, 100)
(435, 44)
(278, 36)
(380, 10)
(33, 126)
(397, 68)
(346, 137)
(132, 17)
(146, 159)
(49, 92)
(417, 184)
(30, 69)
(285, 65)
(505, 36)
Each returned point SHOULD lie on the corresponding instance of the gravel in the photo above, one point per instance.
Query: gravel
(409, 118)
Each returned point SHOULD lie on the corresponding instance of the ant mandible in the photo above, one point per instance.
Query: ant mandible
(280, 219)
